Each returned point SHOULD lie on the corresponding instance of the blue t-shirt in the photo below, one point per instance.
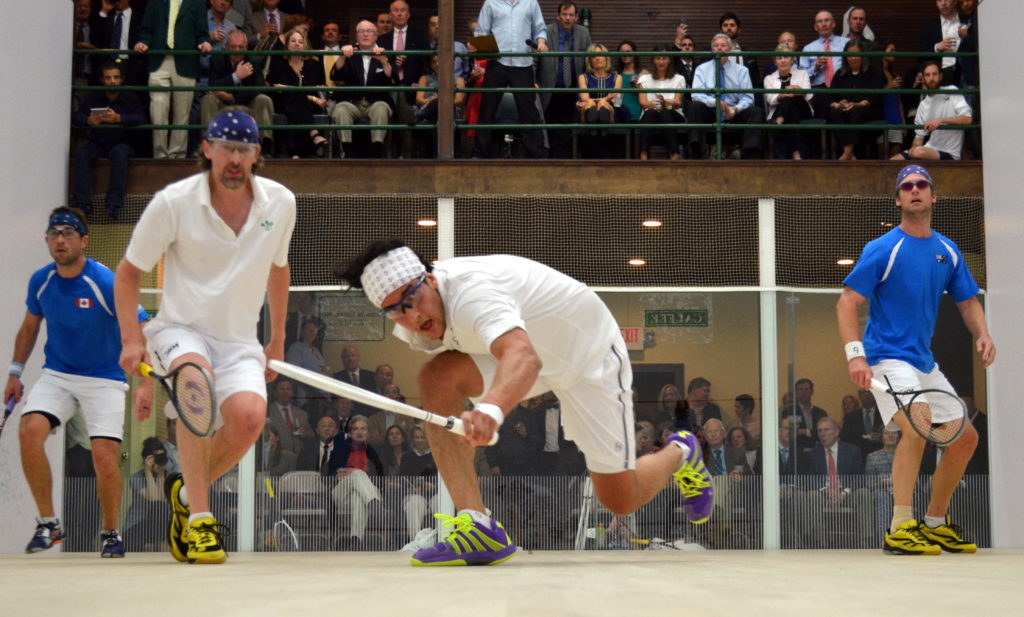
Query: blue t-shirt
(904, 278)
(83, 337)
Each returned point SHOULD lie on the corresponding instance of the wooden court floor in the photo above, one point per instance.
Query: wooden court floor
(556, 583)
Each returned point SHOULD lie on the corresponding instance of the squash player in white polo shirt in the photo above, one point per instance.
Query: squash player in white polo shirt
(224, 236)
(503, 329)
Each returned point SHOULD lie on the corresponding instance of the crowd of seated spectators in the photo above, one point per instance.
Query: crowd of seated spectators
(600, 108)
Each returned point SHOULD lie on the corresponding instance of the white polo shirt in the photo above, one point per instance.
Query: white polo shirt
(214, 281)
(570, 328)
(934, 106)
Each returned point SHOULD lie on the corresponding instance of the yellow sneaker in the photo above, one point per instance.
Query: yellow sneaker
(908, 539)
(948, 537)
(204, 541)
(177, 529)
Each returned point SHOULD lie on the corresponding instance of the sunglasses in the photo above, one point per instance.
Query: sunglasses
(920, 184)
(405, 301)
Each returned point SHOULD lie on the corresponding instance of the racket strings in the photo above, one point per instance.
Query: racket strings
(922, 410)
(194, 397)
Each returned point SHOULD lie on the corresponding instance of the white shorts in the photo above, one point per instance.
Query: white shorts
(904, 376)
(237, 367)
(597, 411)
(60, 395)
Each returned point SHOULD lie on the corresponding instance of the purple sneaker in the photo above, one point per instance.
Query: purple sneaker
(469, 544)
(694, 481)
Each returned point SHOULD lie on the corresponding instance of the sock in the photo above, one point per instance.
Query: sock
(934, 521)
(476, 515)
(685, 448)
(183, 496)
(110, 532)
(195, 516)
(900, 515)
(45, 520)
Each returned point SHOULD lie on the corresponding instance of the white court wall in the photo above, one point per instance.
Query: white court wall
(35, 110)
(1004, 228)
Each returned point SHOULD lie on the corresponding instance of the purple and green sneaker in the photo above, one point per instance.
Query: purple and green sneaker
(469, 544)
(694, 481)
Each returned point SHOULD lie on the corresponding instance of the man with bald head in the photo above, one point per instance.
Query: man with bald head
(408, 69)
(822, 69)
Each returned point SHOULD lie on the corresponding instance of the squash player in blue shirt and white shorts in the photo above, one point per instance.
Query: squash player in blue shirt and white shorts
(904, 273)
(75, 295)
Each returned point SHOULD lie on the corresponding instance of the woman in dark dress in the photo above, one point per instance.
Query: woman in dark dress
(854, 108)
(298, 107)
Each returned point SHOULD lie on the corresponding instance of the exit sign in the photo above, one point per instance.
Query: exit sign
(696, 318)
(634, 337)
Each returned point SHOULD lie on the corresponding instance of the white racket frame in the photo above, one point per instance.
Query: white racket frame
(340, 388)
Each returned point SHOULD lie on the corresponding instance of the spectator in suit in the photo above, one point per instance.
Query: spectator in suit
(342, 409)
(870, 422)
(219, 27)
(264, 23)
(273, 459)
(838, 468)
(407, 69)
(733, 108)
(806, 414)
(120, 30)
(330, 36)
(298, 107)
(305, 354)
(364, 70)
(701, 409)
(554, 71)
(725, 458)
(353, 461)
(238, 70)
(172, 25)
(292, 422)
(792, 464)
(87, 33)
(302, 307)
(315, 455)
(944, 34)
(111, 107)
(350, 371)
(381, 421)
(684, 42)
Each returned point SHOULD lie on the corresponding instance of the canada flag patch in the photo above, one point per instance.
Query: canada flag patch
(85, 303)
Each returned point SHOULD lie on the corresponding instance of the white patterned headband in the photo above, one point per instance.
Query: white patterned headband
(388, 272)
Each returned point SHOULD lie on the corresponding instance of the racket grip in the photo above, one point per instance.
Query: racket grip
(878, 386)
(455, 425)
(145, 369)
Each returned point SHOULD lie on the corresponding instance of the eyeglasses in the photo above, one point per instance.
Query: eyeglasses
(67, 233)
(366, 31)
(910, 184)
(231, 147)
(406, 301)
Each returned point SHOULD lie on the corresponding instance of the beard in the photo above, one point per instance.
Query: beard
(233, 182)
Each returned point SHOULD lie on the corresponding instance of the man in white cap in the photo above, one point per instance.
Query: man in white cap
(503, 329)
(224, 235)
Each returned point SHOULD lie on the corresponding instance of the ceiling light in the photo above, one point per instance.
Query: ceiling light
(651, 223)
(636, 261)
(844, 262)
(426, 223)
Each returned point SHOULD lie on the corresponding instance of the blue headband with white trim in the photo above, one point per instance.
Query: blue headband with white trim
(67, 218)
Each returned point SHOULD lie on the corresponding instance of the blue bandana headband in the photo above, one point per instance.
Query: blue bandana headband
(68, 219)
(234, 126)
(913, 169)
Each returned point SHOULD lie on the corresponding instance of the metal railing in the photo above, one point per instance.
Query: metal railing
(719, 126)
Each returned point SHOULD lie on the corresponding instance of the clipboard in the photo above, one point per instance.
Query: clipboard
(485, 43)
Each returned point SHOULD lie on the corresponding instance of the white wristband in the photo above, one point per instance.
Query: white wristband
(491, 410)
(16, 369)
(854, 349)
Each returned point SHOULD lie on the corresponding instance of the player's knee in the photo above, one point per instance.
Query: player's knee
(32, 430)
(439, 377)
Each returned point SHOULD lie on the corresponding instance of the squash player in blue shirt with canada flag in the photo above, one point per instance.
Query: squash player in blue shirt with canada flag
(904, 273)
(75, 295)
